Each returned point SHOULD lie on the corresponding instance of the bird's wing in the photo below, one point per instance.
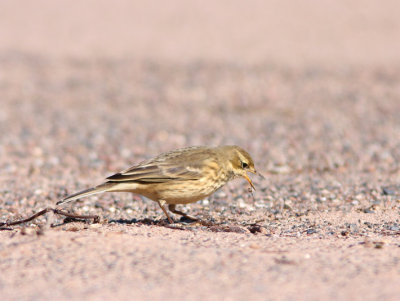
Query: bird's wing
(157, 173)
(182, 164)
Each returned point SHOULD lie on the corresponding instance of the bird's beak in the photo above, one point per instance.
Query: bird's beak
(248, 180)
(253, 171)
(257, 173)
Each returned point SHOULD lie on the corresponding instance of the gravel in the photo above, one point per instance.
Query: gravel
(323, 224)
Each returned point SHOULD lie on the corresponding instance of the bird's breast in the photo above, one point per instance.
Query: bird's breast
(186, 191)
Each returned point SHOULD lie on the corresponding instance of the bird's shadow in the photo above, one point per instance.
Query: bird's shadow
(144, 221)
(183, 221)
(190, 225)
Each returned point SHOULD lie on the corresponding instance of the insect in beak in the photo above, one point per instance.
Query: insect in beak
(260, 175)
(248, 180)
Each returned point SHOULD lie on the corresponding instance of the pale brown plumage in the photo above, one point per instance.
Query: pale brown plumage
(178, 177)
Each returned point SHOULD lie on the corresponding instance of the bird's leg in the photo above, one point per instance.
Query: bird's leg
(161, 203)
(172, 208)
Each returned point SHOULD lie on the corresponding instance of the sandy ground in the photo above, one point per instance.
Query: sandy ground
(311, 91)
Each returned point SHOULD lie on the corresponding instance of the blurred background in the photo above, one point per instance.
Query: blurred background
(330, 32)
(88, 88)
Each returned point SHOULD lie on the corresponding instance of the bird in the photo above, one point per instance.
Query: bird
(180, 176)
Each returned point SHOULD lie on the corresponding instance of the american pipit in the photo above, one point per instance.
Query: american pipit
(181, 176)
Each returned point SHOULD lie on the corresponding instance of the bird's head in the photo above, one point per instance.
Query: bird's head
(240, 162)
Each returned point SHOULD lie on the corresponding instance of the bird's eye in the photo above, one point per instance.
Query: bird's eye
(244, 165)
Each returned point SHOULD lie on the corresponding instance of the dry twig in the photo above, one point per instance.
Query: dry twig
(4, 225)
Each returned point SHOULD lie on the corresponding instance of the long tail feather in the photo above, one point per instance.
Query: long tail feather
(98, 189)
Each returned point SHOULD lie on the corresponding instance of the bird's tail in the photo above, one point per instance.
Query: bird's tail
(94, 190)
